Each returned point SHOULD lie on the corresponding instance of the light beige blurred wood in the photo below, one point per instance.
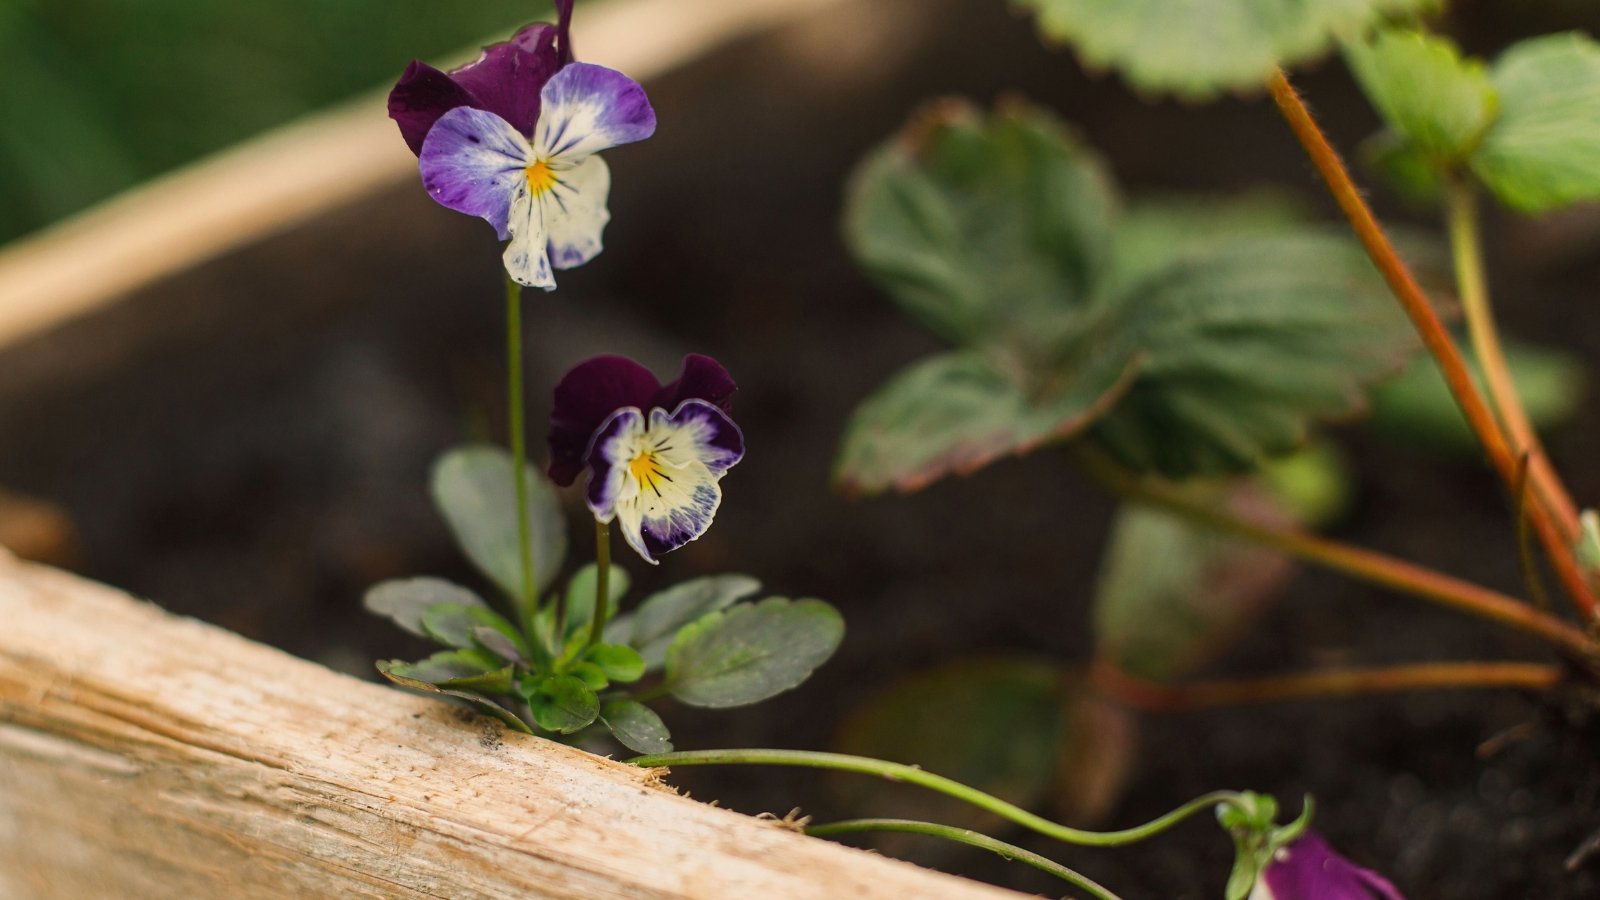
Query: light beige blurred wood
(287, 176)
(145, 755)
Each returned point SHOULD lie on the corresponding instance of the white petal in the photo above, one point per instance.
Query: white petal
(575, 212)
(672, 508)
(525, 257)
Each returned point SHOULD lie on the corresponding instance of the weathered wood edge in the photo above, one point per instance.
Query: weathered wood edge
(146, 755)
(288, 176)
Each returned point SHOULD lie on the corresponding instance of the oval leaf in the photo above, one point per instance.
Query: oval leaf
(752, 651)
(563, 704)
(474, 490)
(405, 600)
(637, 726)
(650, 630)
(620, 664)
(1544, 151)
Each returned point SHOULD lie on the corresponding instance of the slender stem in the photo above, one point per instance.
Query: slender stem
(602, 580)
(840, 762)
(519, 440)
(970, 838)
(1556, 537)
(1461, 215)
(1154, 696)
(1357, 562)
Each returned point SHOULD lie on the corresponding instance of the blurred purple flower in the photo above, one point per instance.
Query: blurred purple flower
(1309, 869)
(513, 139)
(655, 453)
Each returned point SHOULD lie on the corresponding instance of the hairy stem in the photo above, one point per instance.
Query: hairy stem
(1557, 537)
(1155, 696)
(970, 838)
(840, 762)
(1357, 562)
(519, 440)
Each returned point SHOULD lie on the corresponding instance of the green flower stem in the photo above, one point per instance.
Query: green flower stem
(602, 580)
(1556, 533)
(1461, 216)
(863, 765)
(519, 440)
(970, 838)
(1357, 562)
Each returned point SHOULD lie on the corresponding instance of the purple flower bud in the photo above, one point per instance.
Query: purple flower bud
(1309, 869)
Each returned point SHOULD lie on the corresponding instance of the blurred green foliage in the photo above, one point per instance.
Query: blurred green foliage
(101, 94)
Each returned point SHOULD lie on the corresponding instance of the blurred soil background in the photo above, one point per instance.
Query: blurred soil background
(249, 442)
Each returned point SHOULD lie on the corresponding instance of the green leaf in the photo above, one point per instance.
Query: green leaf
(394, 670)
(563, 704)
(591, 675)
(405, 600)
(580, 595)
(752, 651)
(1247, 342)
(620, 664)
(957, 412)
(987, 230)
(636, 726)
(1544, 151)
(1433, 99)
(651, 629)
(500, 644)
(1157, 231)
(475, 491)
(447, 665)
(995, 724)
(1414, 176)
(1198, 49)
(1418, 408)
(453, 624)
(1171, 595)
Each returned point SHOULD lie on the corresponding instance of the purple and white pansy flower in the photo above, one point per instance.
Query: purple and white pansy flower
(655, 453)
(1309, 869)
(514, 137)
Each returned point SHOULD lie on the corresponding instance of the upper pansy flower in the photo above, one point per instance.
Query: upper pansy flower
(655, 453)
(1309, 869)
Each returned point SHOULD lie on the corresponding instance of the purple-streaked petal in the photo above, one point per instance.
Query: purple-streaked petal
(696, 432)
(586, 396)
(671, 509)
(702, 378)
(575, 212)
(474, 162)
(525, 258)
(1309, 869)
(509, 77)
(616, 443)
(420, 97)
(587, 108)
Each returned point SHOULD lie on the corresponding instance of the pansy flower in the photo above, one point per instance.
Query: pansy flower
(655, 453)
(513, 139)
(1309, 869)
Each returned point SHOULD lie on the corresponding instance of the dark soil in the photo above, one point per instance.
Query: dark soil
(249, 443)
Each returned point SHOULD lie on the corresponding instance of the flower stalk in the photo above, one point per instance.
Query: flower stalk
(1556, 533)
(516, 415)
(602, 580)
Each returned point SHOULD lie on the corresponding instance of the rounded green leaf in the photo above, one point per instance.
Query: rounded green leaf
(581, 592)
(1198, 49)
(475, 491)
(636, 726)
(591, 675)
(752, 651)
(652, 627)
(620, 664)
(1438, 102)
(405, 600)
(1544, 151)
(563, 704)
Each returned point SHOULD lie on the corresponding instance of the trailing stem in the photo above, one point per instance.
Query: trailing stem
(970, 838)
(1556, 533)
(863, 765)
(1155, 696)
(1357, 562)
(519, 440)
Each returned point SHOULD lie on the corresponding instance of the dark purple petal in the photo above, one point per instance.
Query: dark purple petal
(605, 479)
(587, 108)
(509, 77)
(717, 443)
(1309, 869)
(702, 378)
(589, 393)
(564, 30)
(474, 162)
(419, 98)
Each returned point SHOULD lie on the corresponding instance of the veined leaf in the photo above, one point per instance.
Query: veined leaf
(651, 628)
(405, 600)
(752, 651)
(395, 670)
(637, 726)
(1436, 101)
(475, 491)
(1544, 151)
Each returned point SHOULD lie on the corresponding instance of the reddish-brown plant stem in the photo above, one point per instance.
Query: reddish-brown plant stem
(1154, 696)
(1557, 538)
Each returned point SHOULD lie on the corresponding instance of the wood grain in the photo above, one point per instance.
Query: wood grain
(145, 755)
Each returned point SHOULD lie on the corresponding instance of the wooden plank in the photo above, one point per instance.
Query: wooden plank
(146, 755)
(288, 176)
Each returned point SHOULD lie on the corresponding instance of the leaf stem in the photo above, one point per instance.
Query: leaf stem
(602, 580)
(519, 440)
(970, 838)
(1557, 537)
(1399, 575)
(1155, 696)
(840, 762)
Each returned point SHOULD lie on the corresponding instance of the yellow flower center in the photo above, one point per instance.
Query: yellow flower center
(540, 178)
(645, 469)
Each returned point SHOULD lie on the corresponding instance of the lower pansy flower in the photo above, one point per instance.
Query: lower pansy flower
(655, 453)
(1309, 869)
